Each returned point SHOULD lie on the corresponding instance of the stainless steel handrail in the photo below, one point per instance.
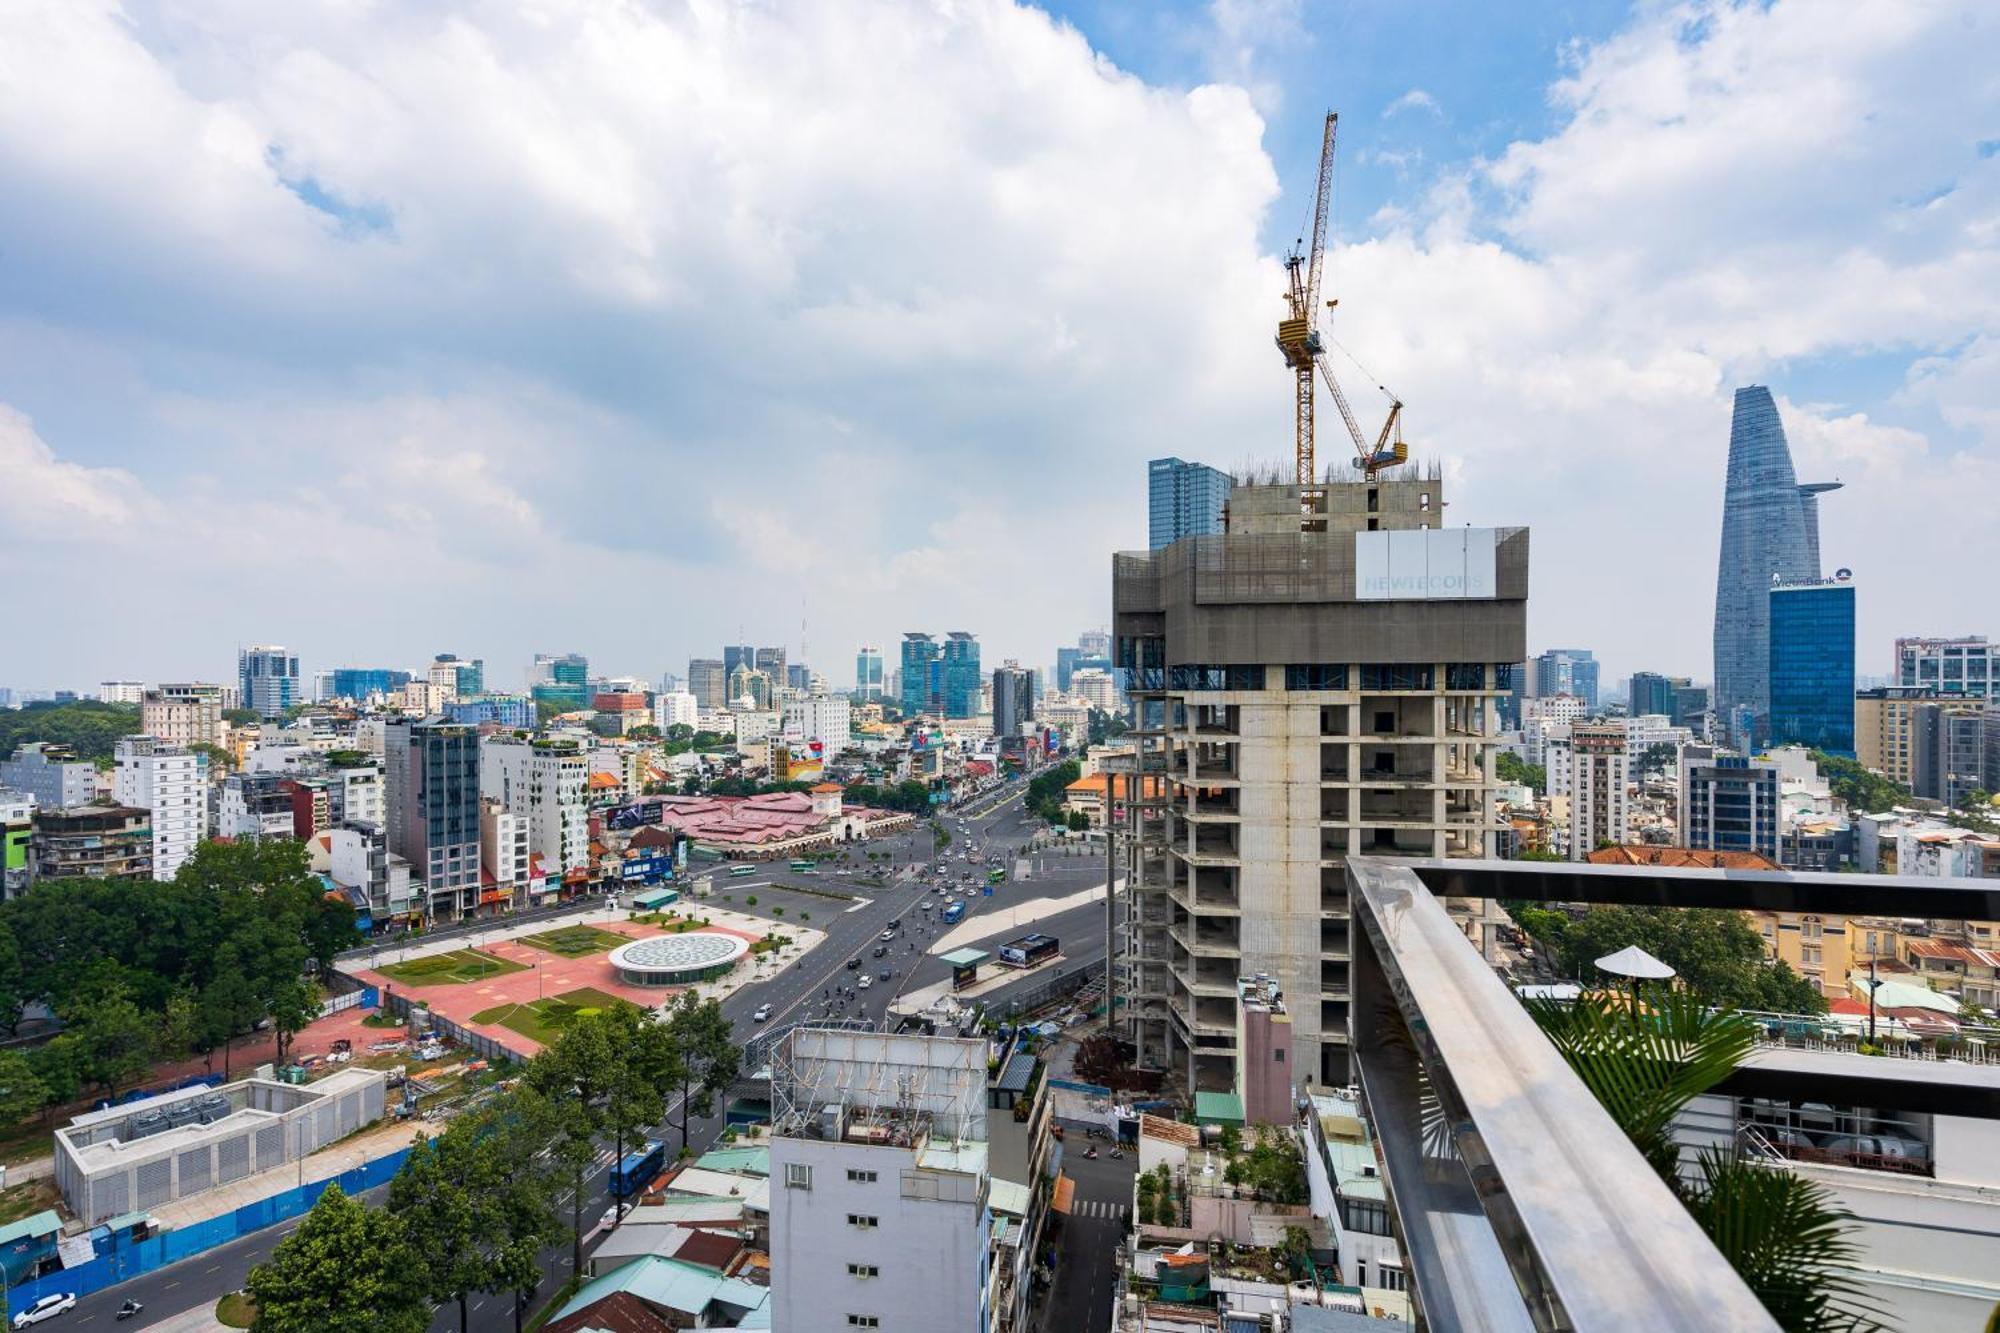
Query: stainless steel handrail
(1520, 1202)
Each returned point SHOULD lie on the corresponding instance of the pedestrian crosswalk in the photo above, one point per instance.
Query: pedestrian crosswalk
(1100, 1208)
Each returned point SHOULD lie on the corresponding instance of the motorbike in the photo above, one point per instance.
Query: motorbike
(1090, 1153)
(1117, 1154)
(128, 1309)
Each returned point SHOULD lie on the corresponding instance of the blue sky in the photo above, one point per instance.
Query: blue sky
(621, 328)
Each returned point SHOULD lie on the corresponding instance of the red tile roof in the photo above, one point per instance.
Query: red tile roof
(1680, 857)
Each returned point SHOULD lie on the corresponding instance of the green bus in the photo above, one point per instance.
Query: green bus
(803, 867)
(742, 870)
(996, 877)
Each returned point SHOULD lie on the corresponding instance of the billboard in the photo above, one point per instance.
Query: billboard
(1424, 565)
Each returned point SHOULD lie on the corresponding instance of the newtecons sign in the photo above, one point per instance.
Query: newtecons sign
(1426, 565)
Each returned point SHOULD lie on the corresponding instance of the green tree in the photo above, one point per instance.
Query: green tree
(113, 1040)
(242, 717)
(180, 1026)
(219, 759)
(576, 1076)
(1511, 768)
(1782, 1233)
(1659, 757)
(432, 1196)
(708, 1057)
(89, 728)
(1865, 791)
(22, 1091)
(346, 1267)
(293, 1004)
(1714, 952)
(55, 1063)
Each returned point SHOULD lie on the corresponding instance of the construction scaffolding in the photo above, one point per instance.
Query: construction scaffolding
(897, 1089)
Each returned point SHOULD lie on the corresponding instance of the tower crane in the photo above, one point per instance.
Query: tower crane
(1304, 349)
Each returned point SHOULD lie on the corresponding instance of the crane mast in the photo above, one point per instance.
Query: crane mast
(1304, 350)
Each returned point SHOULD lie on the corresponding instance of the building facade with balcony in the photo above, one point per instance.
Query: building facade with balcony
(92, 842)
(1320, 679)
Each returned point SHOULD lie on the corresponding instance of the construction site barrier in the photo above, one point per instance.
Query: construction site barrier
(129, 1259)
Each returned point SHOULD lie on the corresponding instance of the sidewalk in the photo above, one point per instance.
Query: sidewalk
(349, 1153)
(199, 1320)
(1009, 920)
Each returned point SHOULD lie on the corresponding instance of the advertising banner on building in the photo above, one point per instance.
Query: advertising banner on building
(1424, 565)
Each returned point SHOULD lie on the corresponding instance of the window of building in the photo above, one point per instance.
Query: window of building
(1279, 1055)
(1811, 927)
(863, 1270)
(862, 1220)
(1368, 1216)
(1316, 676)
(1465, 676)
(1809, 955)
(1397, 676)
(864, 1321)
(861, 1177)
(798, 1176)
(1389, 1277)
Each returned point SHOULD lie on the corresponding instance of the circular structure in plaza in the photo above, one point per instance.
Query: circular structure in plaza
(678, 960)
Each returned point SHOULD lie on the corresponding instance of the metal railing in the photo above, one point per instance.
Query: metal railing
(1520, 1203)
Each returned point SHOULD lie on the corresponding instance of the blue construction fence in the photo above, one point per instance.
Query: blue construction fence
(126, 1258)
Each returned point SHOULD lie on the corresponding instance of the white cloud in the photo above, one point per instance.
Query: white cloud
(43, 497)
(628, 326)
(1416, 99)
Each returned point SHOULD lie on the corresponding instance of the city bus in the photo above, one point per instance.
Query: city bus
(996, 876)
(740, 871)
(802, 867)
(636, 1172)
(954, 912)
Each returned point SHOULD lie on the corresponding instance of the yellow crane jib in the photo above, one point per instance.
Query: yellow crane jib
(1300, 343)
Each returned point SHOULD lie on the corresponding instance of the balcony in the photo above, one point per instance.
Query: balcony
(1334, 720)
(1215, 1015)
(1333, 940)
(1217, 720)
(1209, 807)
(1334, 807)
(1393, 767)
(1213, 847)
(1211, 762)
(1332, 843)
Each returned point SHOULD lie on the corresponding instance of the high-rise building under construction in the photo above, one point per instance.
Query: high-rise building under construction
(1321, 678)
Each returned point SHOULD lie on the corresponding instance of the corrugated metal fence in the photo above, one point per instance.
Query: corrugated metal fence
(129, 1259)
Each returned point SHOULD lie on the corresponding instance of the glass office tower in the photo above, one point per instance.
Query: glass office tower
(1770, 532)
(1812, 664)
(1183, 500)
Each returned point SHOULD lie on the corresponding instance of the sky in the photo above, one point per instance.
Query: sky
(383, 330)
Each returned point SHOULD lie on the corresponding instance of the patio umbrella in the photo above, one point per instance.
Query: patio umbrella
(1635, 963)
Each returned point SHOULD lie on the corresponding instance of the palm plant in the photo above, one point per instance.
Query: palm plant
(1644, 1062)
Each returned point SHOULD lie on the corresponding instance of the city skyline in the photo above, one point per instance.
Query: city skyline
(175, 382)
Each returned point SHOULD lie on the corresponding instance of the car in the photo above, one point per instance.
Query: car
(894, 922)
(865, 982)
(887, 935)
(48, 1307)
(885, 974)
(881, 951)
(762, 1015)
(854, 962)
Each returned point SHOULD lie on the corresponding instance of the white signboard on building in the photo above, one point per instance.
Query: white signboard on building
(1424, 565)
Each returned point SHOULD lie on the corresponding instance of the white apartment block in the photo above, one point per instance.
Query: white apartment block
(503, 845)
(880, 1189)
(1546, 718)
(826, 718)
(1645, 730)
(172, 783)
(188, 713)
(546, 782)
(122, 691)
(360, 794)
(675, 708)
(1095, 687)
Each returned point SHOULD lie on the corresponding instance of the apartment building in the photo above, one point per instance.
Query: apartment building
(52, 774)
(1596, 768)
(1320, 679)
(186, 713)
(880, 1182)
(170, 783)
(546, 782)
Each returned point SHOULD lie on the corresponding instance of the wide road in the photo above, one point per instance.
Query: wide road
(992, 822)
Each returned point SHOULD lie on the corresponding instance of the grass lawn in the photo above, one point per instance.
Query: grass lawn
(27, 1199)
(576, 941)
(544, 1020)
(236, 1310)
(449, 969)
